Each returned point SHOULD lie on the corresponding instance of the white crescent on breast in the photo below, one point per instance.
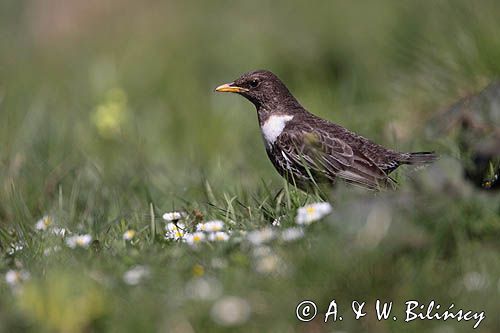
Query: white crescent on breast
(273, 127)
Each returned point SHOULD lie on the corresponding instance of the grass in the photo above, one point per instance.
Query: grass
(108, 120)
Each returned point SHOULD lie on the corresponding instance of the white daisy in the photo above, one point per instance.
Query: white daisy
(176, 235)
(176, 231)
(204, 288)
(267, 264)
(258, 237)
(79, 241)
(174, 226)
(173, 216)
(129, 235)
(219, 236)
(291, 234)
(135, 275)
(44, 223)
(210, 226)
(230, 311)
(313, 212)
(195, 238)
(14, 278)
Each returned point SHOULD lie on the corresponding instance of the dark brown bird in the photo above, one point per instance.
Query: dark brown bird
(308, 150)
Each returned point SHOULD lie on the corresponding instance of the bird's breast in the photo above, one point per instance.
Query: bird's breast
(273, 127)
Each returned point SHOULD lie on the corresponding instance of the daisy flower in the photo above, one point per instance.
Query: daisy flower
(291, 234)
(195, 238)
(313, 212)
(176, 231)
(219, 236)
(210, 226)
(176, 235)
(173, 216)
(174, 226)
(135, 275)
(129, 235)
(44, 223)
(79, 241)
(14, 278)
(231, 311)
(203, 288)
(267, 264)
(258, 237)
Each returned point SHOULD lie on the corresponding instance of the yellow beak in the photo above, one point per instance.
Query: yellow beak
(229, 87)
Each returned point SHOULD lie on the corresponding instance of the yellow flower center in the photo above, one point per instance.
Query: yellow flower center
(47, 221)
(198, 270)
(310, 210)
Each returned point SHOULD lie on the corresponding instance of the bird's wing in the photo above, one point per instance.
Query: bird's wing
(325, 155)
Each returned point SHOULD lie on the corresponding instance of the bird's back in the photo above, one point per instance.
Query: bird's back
(384, 158)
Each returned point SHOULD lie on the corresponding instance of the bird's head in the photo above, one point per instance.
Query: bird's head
(261, 87)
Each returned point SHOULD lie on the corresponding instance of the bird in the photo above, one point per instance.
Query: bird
(309, 151)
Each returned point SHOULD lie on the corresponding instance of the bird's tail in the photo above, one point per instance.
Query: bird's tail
(420, 158)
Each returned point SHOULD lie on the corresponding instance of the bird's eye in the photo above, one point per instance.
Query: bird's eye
(254, 83)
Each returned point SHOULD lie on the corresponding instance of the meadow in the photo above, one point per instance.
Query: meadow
(108, 121)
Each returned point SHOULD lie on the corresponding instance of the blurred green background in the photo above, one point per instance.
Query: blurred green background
(107, 107)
